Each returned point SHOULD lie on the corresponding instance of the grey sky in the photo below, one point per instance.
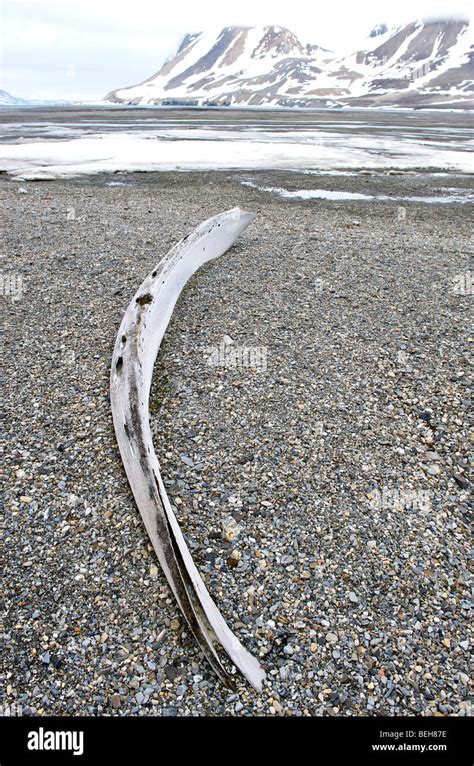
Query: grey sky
(75, 49)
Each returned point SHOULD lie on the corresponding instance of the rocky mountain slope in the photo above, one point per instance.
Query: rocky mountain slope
(424, 63)
(6, 99)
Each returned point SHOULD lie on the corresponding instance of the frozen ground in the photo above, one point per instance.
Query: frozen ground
(38, 145)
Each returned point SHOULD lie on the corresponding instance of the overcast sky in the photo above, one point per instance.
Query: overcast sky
(81, 49)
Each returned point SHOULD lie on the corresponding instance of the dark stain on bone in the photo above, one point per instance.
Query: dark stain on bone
(119, 363)
(144, 299)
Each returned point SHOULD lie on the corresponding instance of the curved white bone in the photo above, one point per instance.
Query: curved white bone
(136, 348)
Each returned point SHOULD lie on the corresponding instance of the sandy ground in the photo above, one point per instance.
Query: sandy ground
(341, 457)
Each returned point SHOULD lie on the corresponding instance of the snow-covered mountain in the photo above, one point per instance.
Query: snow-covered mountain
(418, 64)
(6, 99)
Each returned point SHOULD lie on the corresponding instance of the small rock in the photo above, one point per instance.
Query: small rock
(331, 638)
(445, 709)
(284, 672)
(428, 695)
(115, 701)
(461, 481)
(353, 597)
(171, 672)
(230, 529)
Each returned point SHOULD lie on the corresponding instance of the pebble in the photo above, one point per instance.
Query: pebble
(353, 597)
(230, 529)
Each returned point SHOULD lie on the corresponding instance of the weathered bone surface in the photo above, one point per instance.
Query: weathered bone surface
(136, 348)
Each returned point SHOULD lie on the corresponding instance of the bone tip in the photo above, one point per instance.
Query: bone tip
(257, 678)
(240, 215)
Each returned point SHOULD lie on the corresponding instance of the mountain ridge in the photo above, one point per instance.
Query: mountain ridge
(421, 63)
(6, 99)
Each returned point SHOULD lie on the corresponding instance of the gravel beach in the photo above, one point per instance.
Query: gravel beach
(323, 490)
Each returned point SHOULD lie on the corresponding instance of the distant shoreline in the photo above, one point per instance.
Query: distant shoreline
(232, 108)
